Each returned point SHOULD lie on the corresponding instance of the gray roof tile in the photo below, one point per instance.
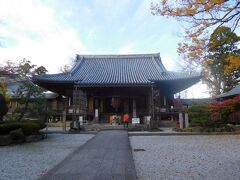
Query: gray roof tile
(117, 69)
(234, 92)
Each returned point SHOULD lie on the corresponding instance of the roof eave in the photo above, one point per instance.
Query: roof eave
(113, 85)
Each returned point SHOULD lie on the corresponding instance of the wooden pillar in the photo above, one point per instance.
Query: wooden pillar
(152, 104)
(90, 104)
(64, 120)
(134, 108)
(186, 120)
(126, 105)
(159, 106)
(65, 108)
(101, 109)
(180, 120)
(74, 108)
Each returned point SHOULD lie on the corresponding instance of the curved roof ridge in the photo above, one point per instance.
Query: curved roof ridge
(78, 63)
(117, 56)
(158, 62)
(190, 73)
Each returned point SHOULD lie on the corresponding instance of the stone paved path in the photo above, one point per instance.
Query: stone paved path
(107, 156)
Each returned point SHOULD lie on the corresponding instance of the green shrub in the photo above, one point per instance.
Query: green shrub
(28, 127)
(226, 128)
(199, 115)
(39, 122)
(17, 136)
(6, 128)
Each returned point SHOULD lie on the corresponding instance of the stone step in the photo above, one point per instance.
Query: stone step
(97, 127)
(167, 123)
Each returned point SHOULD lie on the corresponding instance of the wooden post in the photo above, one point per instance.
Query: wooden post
(65, 106)
(159, 107)
(126, 105)
(186, 120)
(180, 120)
(74, 108)
(64, 121)
(134, 108)
(153, 122)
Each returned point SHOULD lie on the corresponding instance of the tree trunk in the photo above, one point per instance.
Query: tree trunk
(26, 104)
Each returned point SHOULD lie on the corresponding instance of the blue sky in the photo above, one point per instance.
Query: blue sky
(51, 32)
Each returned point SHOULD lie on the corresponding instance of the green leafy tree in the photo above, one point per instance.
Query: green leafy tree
(27, 91)
(221, 47)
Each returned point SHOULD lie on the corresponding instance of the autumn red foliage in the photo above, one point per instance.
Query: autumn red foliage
(225, 108)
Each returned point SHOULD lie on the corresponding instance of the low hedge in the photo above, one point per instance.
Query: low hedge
(28, 127)
(17, 136)
(41, 123)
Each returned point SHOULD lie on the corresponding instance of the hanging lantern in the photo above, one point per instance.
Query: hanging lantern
(115, 103)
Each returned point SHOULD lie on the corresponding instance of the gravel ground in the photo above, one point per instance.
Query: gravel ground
(31, 160)
(187, 157)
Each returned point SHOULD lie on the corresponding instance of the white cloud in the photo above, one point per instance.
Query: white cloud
(54, 45)
(126, 49)
(27, 15)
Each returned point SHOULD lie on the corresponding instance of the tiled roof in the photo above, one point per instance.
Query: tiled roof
(189, 101)
(234, 92)
(117, 69)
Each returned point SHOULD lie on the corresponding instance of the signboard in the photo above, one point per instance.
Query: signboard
(135, 120)
(81, 120)
(163, 109)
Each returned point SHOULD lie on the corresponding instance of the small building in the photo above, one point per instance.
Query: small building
(230, 94)
(233, 93)
(13, 83)
(102, 86)
(187, 102)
